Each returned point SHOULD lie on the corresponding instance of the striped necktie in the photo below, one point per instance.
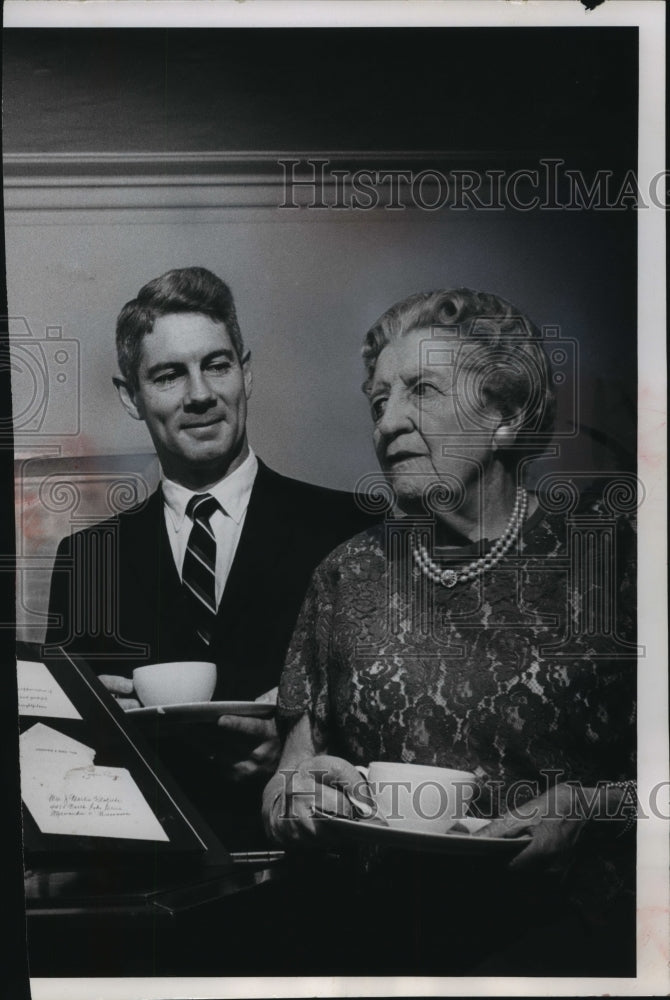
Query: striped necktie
(199, 569)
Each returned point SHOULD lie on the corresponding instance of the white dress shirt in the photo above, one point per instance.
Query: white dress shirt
(233, 493)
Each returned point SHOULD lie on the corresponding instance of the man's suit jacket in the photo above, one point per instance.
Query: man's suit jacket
(117, 600)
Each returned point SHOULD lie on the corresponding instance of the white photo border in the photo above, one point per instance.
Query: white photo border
(653, 891)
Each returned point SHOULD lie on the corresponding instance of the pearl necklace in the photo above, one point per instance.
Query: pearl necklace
(450, 577)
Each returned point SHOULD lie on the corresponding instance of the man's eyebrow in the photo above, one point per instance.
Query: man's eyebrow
(222, 352)
(161, 366)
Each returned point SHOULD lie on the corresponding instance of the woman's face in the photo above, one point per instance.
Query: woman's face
(423, 433)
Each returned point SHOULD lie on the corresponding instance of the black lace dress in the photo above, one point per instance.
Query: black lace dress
(526, 675)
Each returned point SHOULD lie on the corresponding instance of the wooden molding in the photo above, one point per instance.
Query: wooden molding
(216, 180)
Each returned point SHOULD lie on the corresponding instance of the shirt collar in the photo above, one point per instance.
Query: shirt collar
(232, 492)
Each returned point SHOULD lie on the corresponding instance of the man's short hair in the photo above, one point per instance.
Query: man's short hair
(182, 290)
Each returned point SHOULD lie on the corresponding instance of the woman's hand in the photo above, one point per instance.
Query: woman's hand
(555, 822)
(293, 795)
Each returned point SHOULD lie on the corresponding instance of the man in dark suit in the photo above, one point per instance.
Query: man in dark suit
(214, 566)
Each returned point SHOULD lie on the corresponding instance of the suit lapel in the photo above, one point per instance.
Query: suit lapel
(144, 537)
(261, 543)
(146, 555)
(155, 594)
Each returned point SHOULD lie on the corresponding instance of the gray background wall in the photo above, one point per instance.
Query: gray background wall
(307, 289)
(107, 136)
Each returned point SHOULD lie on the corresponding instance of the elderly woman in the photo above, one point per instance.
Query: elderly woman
(482, 627)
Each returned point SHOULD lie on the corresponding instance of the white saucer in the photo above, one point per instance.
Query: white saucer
(199, 710)
(377, 833)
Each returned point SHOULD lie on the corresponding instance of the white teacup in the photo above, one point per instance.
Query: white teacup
(175, 683)
(417, 796)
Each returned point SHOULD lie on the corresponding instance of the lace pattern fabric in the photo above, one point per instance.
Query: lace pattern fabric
(526, 672)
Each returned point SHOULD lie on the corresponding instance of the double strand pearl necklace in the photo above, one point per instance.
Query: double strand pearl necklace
(450, 577)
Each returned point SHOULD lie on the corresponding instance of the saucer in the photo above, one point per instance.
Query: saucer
(199, 710)
(458, 842)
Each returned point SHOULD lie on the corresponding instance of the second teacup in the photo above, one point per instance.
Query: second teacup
(419, 797)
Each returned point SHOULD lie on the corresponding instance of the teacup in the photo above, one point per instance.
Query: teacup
(416, 796)
(176, 683)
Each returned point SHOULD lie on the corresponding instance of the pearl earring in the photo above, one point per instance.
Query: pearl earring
(503, 436)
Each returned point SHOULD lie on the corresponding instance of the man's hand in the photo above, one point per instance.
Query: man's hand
(554, 822)
(263, 758)
(262, 761)
(121, 688)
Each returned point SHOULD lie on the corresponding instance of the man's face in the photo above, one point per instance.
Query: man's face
(192, 393)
